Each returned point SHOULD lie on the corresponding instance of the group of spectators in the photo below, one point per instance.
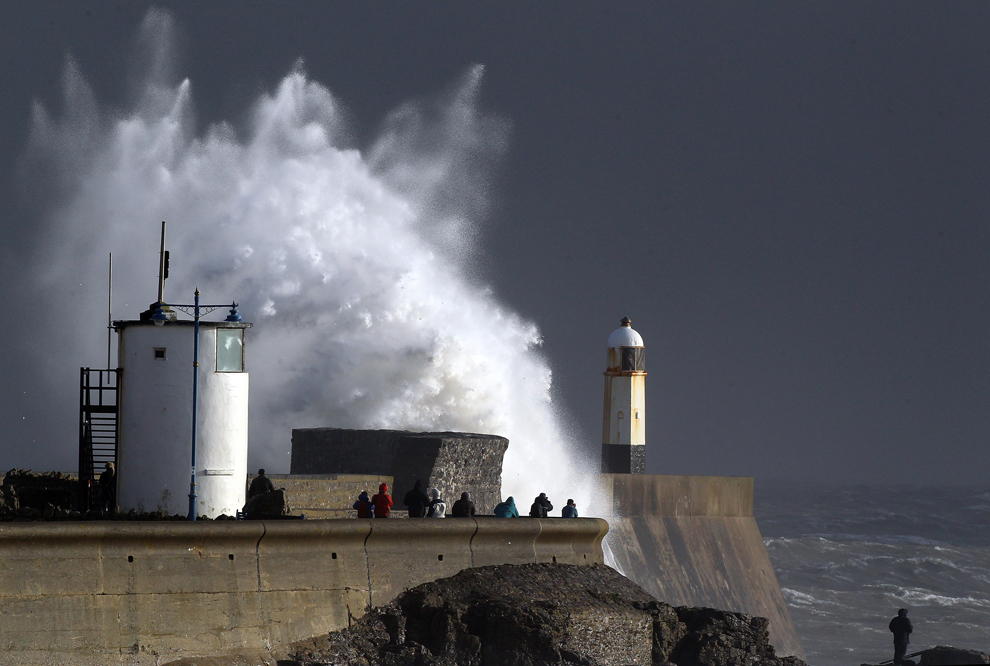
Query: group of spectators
(421, 504)
(541, 508)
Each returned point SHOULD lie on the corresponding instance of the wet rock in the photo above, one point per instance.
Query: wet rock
(941, 655)
(541, 615)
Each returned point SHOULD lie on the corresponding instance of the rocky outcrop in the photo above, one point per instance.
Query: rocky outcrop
(29, 495)
(941, 655)
(541, 614)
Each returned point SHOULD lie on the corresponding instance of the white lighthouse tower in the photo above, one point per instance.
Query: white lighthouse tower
(624, 422)
(158, 397)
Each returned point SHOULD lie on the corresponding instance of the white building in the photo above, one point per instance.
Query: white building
(624, 419)
(155, 416)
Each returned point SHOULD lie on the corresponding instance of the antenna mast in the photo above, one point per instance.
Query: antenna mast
(161, 268)
(109, 308)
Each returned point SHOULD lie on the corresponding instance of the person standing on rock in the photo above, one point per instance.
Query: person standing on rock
(260, 485)
(416, 501)
(569, 511)
(382, 501)
(541, 507)
(507, 509)
(437, 508)
(901, 627)
(464, 507)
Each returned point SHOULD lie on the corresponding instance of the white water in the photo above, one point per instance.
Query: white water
(352, 264)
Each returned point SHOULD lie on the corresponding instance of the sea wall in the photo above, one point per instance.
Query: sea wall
(693, 541)
(95, 593)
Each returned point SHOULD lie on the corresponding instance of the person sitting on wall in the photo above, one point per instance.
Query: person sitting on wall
(108, 488)
(464, 507)
(569, 511)
(382, 501)
(901, 627)
(437, 508)
(364, 507)
(541, 507)
(260, 485)
(507, 509)
(416, 501)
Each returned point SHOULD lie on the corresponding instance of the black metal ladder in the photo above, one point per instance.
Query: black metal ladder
(99, 428)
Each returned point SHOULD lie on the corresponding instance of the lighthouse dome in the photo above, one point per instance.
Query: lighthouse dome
(625, 336)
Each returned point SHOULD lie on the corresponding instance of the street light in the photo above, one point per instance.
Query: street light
(159, 318)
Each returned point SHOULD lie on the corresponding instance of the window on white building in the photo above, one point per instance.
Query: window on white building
(230, 350)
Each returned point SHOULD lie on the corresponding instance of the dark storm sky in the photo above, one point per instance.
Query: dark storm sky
(790, 200)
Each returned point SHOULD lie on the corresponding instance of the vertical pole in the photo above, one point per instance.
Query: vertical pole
(161, 268)
(109, 309)
(195, 410)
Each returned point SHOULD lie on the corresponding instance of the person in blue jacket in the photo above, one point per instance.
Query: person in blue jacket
(507, 509)
(363, 505)
(569, 511)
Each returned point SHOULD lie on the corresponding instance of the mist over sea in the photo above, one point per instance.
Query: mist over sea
(847, 557)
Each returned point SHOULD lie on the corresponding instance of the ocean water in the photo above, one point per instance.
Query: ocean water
(847, 557)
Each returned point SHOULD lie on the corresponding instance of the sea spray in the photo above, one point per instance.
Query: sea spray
(352, 264)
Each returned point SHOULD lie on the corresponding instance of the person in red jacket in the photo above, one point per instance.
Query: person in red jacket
(382, 502)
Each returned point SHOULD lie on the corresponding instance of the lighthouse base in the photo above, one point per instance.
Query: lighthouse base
(623, 459)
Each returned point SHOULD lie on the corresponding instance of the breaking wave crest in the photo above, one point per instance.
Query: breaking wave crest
(354, 265)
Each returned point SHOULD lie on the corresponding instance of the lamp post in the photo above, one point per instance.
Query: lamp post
(159, 318)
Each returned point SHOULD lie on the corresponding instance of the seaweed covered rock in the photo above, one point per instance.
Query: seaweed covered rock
(541, 614)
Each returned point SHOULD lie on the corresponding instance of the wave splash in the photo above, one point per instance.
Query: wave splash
(354, 265)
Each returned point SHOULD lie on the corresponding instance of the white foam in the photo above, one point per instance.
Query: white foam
(353, 265)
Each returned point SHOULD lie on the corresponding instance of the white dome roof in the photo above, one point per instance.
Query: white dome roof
(625, 336)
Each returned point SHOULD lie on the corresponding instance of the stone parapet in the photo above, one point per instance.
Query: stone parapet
(667, 496)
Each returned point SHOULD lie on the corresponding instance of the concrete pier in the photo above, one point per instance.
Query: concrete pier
(100, 593)
(693, 541)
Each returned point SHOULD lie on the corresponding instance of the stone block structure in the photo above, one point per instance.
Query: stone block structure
(454, 462)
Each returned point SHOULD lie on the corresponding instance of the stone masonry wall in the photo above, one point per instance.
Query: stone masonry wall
(451, 461)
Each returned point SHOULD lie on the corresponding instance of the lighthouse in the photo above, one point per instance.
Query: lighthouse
(156, 412)
(182, 408)
(624, 418)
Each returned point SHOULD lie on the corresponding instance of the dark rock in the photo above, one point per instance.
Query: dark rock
(541, 615)
(26, 489)
(941, 655)
(267, 505)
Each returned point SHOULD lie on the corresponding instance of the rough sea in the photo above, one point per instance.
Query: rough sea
(847, 557)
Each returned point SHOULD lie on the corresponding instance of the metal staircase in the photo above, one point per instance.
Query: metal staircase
(99, 429)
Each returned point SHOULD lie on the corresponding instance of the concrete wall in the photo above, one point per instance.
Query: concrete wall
(154, 452)
(326, 495)
(692, 541)
(146, 593)
(454, 462)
